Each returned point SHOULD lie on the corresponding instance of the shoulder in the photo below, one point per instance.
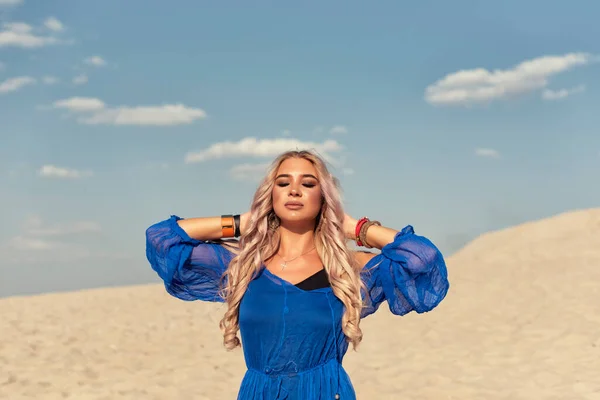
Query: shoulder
(362, 257)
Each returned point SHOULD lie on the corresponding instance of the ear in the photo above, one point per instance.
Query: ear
(273, 220)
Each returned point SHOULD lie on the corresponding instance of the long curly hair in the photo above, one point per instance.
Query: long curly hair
(260, 242)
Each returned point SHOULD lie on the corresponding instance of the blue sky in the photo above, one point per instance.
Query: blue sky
(456, 117)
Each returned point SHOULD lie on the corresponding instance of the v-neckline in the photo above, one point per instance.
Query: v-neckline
(311, 276)
(285, 281)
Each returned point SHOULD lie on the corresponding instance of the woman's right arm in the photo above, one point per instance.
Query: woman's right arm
(183, 253)
(207, 228)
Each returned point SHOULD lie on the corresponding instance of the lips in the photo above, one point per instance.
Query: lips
(294, 205)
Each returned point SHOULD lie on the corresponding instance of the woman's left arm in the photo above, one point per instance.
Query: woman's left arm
(377, 236)
(410, 272)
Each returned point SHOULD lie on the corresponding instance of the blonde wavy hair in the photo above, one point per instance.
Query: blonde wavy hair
(260, 242)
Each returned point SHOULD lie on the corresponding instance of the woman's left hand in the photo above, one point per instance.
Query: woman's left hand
(349, 226)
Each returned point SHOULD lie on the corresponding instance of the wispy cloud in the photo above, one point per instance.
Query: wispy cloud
(549, 94)
(21, 242)
(37, 241)
(480, 85)
(80, 104)
(93, 111)
(10, 2)
(22, 249)
(95, 61)
(487, 152)
(251, 172)
(14, 84)
(54, 24)
(49, 80)
(153, 166)
(37, 236)
(52, 171)
(20, 34)
(34, 226)
(2, 66)
(80, 79)
(338, 130)
(165, 115)
(253, 147)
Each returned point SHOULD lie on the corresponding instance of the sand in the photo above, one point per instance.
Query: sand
(521, 321)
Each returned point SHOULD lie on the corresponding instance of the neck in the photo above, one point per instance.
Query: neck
(296, 240)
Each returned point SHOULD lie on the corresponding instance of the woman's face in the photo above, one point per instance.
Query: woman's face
(297, 191)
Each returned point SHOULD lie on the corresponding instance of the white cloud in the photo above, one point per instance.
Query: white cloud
(338, 130)
(50, 80)
(52, 171)
(10, 2)
(80, 104)
(18, 27)
(20, 34)
(549, 94)
(96, 61)
(479, 85)
(252, 147)
(486, 152)
(168, 114)
(54, 24)
(14, 84)
(94, 112)
(80, 79)
(245, 172)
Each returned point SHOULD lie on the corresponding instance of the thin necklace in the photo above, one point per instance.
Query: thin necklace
(284, 264)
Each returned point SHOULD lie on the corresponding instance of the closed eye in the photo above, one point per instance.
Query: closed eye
(308, 185)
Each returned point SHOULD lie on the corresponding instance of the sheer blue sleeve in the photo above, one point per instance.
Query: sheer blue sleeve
(410, 273)
(191, 269)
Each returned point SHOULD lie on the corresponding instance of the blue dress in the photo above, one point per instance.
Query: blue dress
(292, 338)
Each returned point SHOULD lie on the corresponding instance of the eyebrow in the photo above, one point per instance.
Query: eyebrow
(289, 176)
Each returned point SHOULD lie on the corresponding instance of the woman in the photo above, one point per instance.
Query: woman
(294, 290)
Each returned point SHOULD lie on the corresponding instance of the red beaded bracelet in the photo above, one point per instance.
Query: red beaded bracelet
(359, 225)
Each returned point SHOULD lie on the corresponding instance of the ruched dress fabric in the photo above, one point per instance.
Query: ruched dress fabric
(292, 338)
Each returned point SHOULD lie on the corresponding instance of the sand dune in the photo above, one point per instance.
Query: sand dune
(521, 321)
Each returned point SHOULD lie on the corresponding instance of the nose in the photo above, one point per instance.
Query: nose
(294, 191)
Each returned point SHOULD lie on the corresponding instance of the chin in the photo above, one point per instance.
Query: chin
(294, 215)
(298, 218)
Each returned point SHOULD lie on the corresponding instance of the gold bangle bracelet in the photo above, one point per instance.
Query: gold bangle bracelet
(227, 226)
